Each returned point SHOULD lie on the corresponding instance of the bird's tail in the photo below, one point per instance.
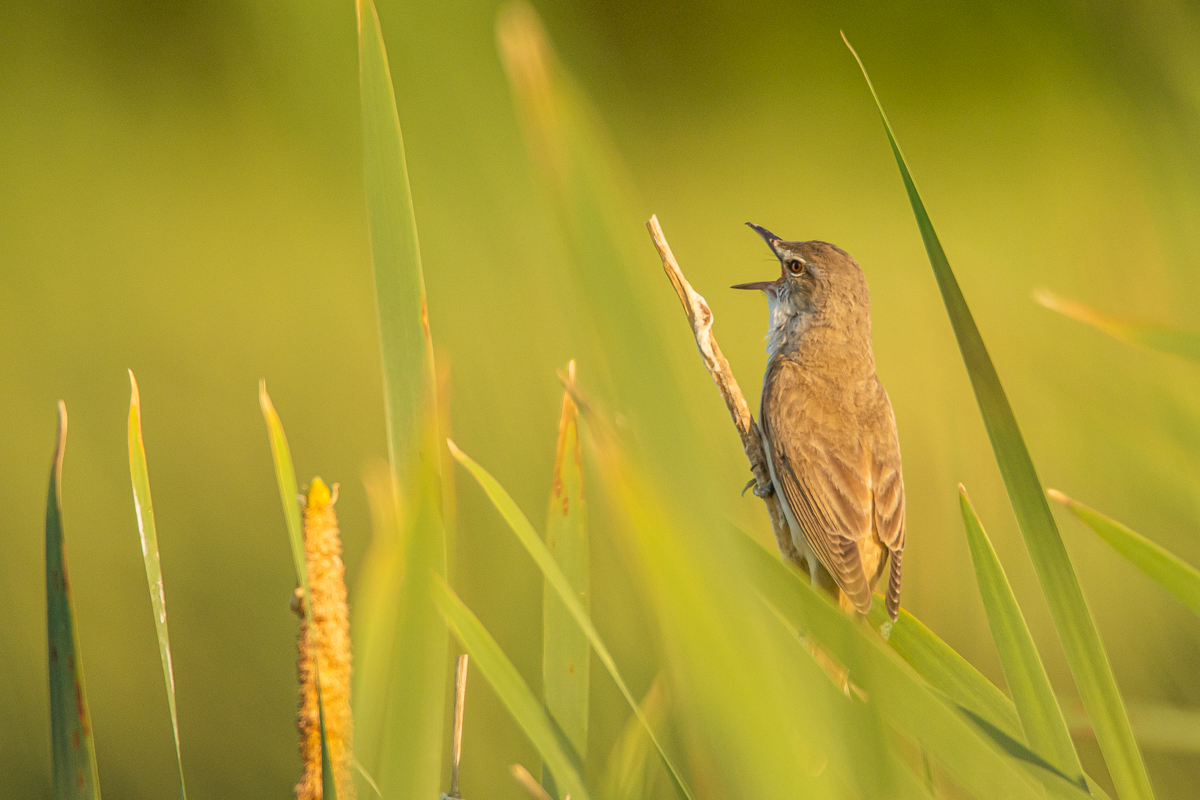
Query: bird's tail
(893, 590)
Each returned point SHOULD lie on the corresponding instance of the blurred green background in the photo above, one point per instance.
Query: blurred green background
(181, 194)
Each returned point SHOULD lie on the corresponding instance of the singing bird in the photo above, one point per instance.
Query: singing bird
(827, 424)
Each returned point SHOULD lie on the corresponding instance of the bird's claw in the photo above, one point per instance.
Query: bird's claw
(764, 491)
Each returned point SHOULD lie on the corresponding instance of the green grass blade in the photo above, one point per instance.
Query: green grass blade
(1177, 342)
(1041, 718)
(557, 580)
(408, 372)
(565, 653)
(140, 478)
(72, 745)
(285, 478)
(404, 751)
(1169, 571)
(1076, 628)
(958, 681)
(1157, 727)
(972, 758)
(629, 772)
(407, 757)
(948, 672)
(512, 690)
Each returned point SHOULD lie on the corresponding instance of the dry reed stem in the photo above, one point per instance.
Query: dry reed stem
(700, 317)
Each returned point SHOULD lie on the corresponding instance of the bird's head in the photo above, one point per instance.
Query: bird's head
(817, 282)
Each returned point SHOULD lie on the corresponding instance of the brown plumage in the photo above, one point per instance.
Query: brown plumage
(827, 424)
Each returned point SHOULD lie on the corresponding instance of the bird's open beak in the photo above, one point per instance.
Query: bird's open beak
(768, 237)
(771, 239)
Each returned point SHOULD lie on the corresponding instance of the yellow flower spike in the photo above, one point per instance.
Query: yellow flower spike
(329, 644)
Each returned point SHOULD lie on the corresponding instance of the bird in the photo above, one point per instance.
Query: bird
(827, 425)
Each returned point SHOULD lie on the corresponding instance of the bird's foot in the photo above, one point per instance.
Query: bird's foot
(764, 491)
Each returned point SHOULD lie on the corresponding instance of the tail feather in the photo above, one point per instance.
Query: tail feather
(893, 590)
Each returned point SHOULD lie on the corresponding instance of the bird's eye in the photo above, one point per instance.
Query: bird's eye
(795, 266)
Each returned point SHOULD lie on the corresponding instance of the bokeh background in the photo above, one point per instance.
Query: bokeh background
(181, 194)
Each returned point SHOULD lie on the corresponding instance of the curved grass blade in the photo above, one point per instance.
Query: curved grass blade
(972, 757)
(72, 745)
(140, 478)
(1076, 628)
(1041, 718)
(404, 752)
(948, 672)
(285, 477)
(960, 683)
(629, 773)
(1169, 571)
(512, 690)
(408, 371)
(1164, 338)
(554, 576)
(565, 653)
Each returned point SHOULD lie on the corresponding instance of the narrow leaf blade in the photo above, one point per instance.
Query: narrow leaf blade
(1164, 338)
(512, 690)
(1076, 628)
(140, 478)
(972, 758)
(285, 478)
(72, 745)
(408, 371)
(1169, 571)
(629, 773)
(1041, 718)
(554, 576)
(565, 652)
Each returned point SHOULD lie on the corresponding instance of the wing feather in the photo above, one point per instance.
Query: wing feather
(823, 470)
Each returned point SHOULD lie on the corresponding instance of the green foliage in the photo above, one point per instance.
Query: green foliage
(1176, 341)
(1041, 719)
(552, 745)
(566, 656)
(401, 689)
(1076, 629)
(1169, 571)
(554, 576)
(140, 478)
(71, 740)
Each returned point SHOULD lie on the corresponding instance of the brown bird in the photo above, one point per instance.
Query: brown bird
(827, 424)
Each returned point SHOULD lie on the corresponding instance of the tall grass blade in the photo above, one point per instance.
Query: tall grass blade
(562, 587)
(590, 194)
(285, 478)
(404, 750)
(408, 371)
(1169, 571)
(72, 745)
(972, 758)
(140, 478)
(1076, 628)
(552, 745)
(565, 653)
(629, 772)
(374, 612)
(1164, 338)
(959, 683)
(1041, 718)
(1157, 727)
(948, 672)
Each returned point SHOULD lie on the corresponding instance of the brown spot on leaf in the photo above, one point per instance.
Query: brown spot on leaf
(571, 668)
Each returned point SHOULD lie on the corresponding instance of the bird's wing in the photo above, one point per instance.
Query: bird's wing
(822, 467)
(888, 486)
